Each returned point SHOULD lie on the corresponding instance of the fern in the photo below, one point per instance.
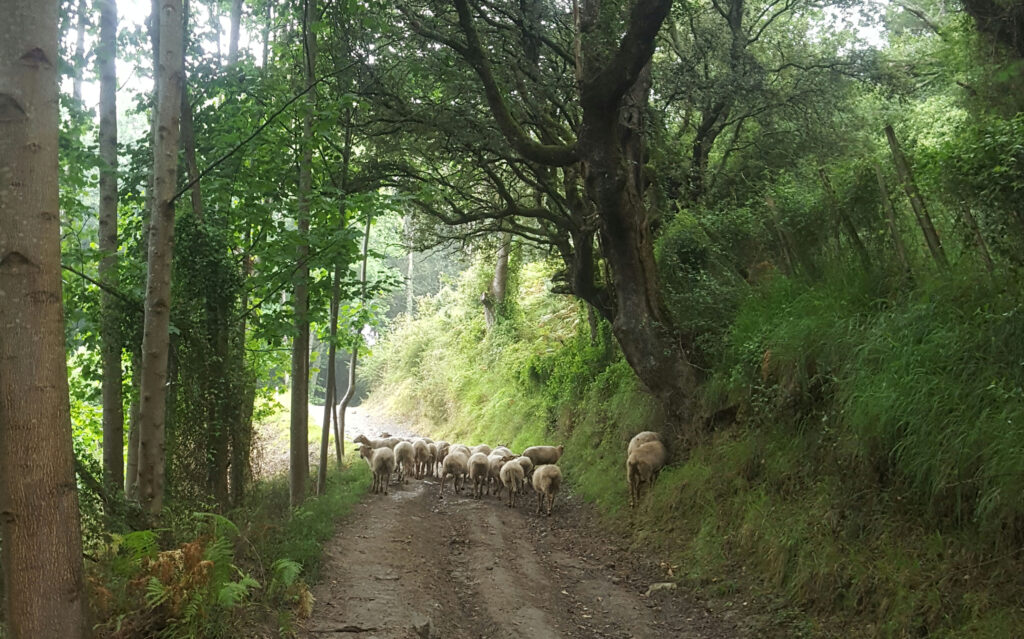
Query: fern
(232, 593)
(221, 526)
(156, 593)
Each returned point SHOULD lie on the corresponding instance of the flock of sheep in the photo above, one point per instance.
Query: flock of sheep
(498, 469)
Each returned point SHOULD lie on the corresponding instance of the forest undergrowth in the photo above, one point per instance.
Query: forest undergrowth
(860, 468)
(202, 574)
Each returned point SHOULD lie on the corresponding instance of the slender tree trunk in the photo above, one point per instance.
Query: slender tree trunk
(979, 239)
(266, 36)
(131, 471)
(890, 216)
(410, 295)
(188, 143)
(110, 330)
(83, 23)
(354, 360)
(339, 443)
(39, 517)
(321, 481)
(844, 219)
(241, 431)
(300, 347)
(155, 340)
(236, 23)
(924, 220)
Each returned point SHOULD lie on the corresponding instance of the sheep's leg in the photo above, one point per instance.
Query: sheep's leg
(440, 494)
(551, 502)
(540, 501)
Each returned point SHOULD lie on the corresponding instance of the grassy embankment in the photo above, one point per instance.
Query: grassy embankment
(873, 476)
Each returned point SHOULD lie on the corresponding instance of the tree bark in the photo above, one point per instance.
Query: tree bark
(494, 299)
(79, 63)
(39, 516)
(110, 330)
(844, 219)
(241, 431)
(156, 339)
(979, 239)
(131, 471)
(357, 339)
(236, 23)
(410, 296)
(890, 216)
(299, 459)
(924, 220)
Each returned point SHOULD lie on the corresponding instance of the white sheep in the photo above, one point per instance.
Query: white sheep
(422, 457)
(544, 454)
(442, 450)
(478, 472)
(642, 467)
(494, 462)
(455, 464)
(432, 461)
(382, 463)
(405, 459)
(643, 438)
(527, 465)
(481, 448)
(512, 477)
(547, 479)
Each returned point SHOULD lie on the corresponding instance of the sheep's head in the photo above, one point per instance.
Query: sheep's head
(561, 449)
(360, 439)
(366, 451)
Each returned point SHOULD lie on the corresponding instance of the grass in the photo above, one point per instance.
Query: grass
(873, 476)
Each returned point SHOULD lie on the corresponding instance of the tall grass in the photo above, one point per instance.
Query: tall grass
(873, 477)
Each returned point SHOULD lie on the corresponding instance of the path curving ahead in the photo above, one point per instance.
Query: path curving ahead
(408, 565)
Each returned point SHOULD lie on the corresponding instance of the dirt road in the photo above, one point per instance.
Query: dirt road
(409, 565)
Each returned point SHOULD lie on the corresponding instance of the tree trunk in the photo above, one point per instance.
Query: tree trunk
(241, 431)
(266, 36)
(188, 143)
(155, 338)
(131, 471)
(79, 63)
(844, 219)
(236, 22)
(299, 460)
(39, 517)
(979, 239)
(924, 220)
(110, 330)
(321, 480)
(410, 298)
(494, 299)
(354, 360)
(612, 153)
(890, 216)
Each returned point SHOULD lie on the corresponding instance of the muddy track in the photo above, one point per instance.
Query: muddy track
(408, 565)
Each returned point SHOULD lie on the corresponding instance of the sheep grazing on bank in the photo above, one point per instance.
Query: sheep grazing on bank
(382, 463)
(512, 478)
(455, 464)
(642, 467)
(405, 460)
(481, 448)
(547, 479)
(478, 472)
(643, 438)
(544, 454)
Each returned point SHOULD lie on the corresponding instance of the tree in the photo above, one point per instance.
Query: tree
(299, 457)
(577, 146)
(39, 517)
(113, 411)
(156, 335)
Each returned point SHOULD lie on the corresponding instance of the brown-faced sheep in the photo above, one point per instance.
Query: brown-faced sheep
(547, 479)
(642, 467)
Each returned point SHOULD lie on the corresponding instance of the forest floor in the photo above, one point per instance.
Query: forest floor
(411, 565)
